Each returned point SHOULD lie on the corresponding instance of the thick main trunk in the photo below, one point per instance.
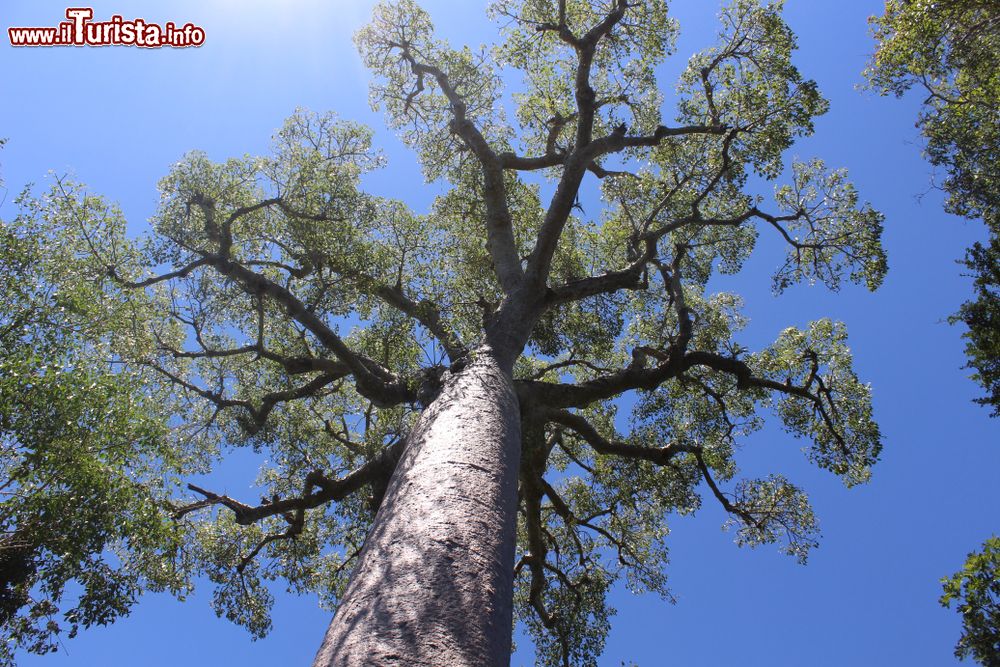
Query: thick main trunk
(434, 581)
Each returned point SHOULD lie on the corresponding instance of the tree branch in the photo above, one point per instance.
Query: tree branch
(328, 490)
(635, 376)
(426, 313)
(728, 505)
(499, 226)
(745, 378)
(579, 425)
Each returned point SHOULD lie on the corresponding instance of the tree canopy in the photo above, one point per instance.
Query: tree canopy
(975, 590)
(950, 50)
(85, 452)
(290, 311)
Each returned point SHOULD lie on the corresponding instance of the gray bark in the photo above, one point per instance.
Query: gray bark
(434, 581)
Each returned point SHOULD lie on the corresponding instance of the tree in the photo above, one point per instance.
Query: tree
(951, 50)
(976, 590)
(84, 452)
(438, 394)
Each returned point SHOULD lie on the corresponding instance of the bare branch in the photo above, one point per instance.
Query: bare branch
(728, 505)
(745, 378)
(631, 277)
(579, 425)
(328, 490)
(179, 273)
(373, 381)
(257, 414)
(618, 141)
(635, 376)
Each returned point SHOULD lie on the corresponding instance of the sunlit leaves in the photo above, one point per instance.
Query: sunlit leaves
(540, 43)
(584, 620)
(774, 510)
(829, 235)
(400, 35)
(240, 595)
(839, 422)
(951, 50)
(749, 83)
(975, 591)
(86, 457)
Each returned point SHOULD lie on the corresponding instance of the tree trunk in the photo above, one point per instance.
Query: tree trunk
(434, 581)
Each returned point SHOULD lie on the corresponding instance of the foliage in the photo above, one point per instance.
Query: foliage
(975, 589)
(298, 315)
(951, 50)
(982, 317)
(84, 452)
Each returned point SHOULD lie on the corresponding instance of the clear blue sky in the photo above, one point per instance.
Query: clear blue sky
(117, 117)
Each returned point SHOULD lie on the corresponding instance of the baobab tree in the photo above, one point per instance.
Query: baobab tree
(438, 394)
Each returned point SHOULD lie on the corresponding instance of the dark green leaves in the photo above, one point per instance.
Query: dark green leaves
(85, 452)
(975, 590)
(951, 50)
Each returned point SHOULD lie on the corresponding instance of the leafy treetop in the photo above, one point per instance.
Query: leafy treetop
(298, 314)
(85, 452)
(950, 49)
(976, 591)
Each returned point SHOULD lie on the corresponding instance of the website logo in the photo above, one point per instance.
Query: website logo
(81, 30)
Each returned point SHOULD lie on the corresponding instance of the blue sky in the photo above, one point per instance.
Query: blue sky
(118, 117)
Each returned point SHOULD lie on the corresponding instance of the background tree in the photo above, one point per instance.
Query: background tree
(976, 591)
(84, 447)
(461, 372)
(951, 50)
